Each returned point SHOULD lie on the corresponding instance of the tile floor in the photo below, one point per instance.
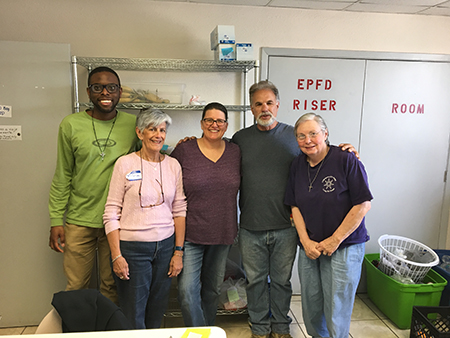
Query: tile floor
(367, 322)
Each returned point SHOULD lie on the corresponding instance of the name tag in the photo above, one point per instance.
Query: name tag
(135, 175)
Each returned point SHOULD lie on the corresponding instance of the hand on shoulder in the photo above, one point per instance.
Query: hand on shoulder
(187, 138)
(351, 149)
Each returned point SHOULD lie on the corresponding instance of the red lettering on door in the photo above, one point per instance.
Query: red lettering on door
(408, 108)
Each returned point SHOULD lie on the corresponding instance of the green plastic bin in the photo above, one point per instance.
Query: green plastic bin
(395, 299)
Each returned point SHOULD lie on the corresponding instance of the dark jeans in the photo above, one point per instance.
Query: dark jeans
(144, 297)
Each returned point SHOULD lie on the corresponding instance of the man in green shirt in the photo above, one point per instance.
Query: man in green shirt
(89, 143)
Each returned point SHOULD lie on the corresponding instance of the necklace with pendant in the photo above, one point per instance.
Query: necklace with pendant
(102, 152)
(154, 165)
(309, 176)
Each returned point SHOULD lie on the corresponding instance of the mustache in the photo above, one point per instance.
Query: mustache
(265, 114)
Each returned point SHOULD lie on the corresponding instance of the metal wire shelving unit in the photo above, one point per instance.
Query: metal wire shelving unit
(169, 65)
(165, 65)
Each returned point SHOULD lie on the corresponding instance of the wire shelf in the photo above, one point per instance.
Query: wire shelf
(160, 65)
(139, 106)
(174, 311)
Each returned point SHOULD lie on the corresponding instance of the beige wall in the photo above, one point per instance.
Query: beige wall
(153, 29)
(142, 28)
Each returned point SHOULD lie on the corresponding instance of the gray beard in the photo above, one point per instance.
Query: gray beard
(263, 123)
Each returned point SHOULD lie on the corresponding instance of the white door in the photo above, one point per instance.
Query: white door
(404, 146)
(330, 87)
(397, 113)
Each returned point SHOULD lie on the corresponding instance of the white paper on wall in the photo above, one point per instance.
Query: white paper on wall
(5, 111)
(10, 133)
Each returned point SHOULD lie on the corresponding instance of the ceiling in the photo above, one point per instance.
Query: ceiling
(422, 7)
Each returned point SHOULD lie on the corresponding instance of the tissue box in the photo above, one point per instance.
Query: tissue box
(244, 51)
(225, 52)
(222, 34)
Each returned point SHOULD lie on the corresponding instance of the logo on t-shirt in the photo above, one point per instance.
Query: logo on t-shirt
(328, 184)
(104, 142)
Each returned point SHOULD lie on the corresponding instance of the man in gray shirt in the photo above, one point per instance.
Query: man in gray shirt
(267, 239)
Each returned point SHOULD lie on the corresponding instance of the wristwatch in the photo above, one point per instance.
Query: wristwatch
(179, 248)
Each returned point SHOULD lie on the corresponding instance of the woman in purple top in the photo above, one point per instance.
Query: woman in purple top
(211, 179)
(329, 196)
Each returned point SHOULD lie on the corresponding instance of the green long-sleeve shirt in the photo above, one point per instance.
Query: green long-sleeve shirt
(81, 180)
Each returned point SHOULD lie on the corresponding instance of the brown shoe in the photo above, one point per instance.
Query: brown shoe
(280, 335)
(260, 335)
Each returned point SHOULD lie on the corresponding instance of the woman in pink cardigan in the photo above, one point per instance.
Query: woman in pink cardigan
(145, 223)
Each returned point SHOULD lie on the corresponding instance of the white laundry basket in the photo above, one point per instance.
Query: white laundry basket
(406, 257)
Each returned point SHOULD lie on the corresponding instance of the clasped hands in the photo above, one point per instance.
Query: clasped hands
(326, 247)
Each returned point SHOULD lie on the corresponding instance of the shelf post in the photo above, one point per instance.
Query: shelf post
(75, 84)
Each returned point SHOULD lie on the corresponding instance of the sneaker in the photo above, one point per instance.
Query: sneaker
(280, 335)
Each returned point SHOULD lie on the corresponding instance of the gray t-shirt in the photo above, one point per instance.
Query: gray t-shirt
(266, 160)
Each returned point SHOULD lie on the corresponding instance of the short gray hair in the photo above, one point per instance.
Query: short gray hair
(265, 84)
(152, 117)
(312, 117)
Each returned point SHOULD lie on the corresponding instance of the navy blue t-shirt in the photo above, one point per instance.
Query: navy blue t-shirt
(341, 183)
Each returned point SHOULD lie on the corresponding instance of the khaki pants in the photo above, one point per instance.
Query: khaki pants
(80, 255)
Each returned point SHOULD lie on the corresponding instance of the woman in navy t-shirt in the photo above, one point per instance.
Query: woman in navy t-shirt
(329, 195)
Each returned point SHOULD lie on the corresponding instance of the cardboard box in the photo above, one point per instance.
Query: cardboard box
(225, 52)
(244, 51)
(222, 34)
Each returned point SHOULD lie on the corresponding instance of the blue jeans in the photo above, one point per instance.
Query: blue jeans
(144, 297)
(328, 286)
(199, 282)
(268, 254)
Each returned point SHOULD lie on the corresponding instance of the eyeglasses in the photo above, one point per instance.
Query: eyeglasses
(151, 205)
(209, 122)
(313, 134)
(97, 88)
(160, 184)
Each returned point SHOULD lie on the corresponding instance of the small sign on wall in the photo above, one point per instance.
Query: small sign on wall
(5, 111)
(10, 133)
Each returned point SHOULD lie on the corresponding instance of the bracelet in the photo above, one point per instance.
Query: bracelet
(179, 248)
(178, 253)
(115, 259)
